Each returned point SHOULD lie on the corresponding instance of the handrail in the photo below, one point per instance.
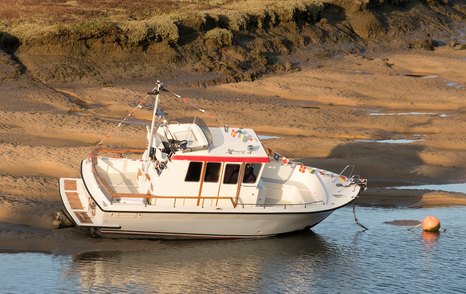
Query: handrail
(107, 189)
(93, 155)
(112, 194)
(305, 204)
(145, 196)
(351, 173)
(242, 205)
(120, 151)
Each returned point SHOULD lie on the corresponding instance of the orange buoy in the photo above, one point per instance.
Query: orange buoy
(431, 224)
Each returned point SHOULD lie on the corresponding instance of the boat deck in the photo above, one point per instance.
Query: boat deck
(124, 183)
(78, 205)
(72, 195)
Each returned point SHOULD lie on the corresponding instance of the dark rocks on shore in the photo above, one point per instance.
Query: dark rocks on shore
(237, 48)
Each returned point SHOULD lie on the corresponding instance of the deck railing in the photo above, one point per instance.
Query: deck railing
(111, 194)
(284, 205)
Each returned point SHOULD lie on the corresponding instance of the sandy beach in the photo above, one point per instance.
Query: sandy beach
(324, 115)
(379, 85)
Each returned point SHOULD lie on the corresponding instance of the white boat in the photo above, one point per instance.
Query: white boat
(201, 182)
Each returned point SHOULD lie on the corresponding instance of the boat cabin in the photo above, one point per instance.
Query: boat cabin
(200, 166)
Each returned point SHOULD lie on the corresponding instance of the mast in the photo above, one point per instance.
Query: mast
(156, 90)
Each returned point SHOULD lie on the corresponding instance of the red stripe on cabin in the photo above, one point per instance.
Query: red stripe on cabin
(221, 158)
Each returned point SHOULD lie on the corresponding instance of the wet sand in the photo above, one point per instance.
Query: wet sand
(321, 116)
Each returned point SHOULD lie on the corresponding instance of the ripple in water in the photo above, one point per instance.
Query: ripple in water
(336, 257)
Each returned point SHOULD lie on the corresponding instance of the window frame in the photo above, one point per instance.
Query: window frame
(259, 172)
(188, 172)
(232, 173)
(218, 175)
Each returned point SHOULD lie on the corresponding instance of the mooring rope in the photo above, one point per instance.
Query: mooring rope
(416, 226)
(183, 99)
(356, 219)
(187, 100)
(109, 134)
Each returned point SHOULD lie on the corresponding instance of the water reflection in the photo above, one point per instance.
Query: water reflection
(430, 238)
(339, 257)
(187, 266)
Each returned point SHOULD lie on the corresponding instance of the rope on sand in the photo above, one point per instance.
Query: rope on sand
(109, 134)
(187, 100)
(184, 100)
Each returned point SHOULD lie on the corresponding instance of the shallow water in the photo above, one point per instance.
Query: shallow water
(336, 257)
(267, 137)
(391, 141)
(454, 85)
(459, 188)
(443, 115)
(401, 113)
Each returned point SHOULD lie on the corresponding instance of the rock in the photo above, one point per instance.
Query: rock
(461, 46)
(452, 43)
(425, 44)
(366, 24)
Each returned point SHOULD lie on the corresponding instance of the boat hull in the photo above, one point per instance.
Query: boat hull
(209, 225)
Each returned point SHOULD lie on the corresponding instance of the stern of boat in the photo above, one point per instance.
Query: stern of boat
(79, 206)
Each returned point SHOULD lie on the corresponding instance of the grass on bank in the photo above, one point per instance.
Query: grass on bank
(141, 20)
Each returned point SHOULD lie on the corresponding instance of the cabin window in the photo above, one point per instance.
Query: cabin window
(231, 174)
(251, 172)
(212, 172)
(194, 172)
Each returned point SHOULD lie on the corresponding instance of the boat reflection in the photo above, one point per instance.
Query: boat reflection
(195, 266)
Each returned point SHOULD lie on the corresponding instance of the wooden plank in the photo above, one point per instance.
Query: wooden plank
(74, 201)
(109, 150)
(103, 183)
(204, 165)
(70, 185)
(240, 181)
(83, 217)
(220, 182)
(128, 195)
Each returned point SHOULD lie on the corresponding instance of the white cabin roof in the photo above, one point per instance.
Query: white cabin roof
(217, 144)
(191, 132)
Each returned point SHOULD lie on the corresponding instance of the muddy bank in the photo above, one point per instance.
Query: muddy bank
(232, 43)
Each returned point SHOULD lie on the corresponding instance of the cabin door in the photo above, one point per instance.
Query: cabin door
(250, 177)
(229, 184)
(240, 181)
